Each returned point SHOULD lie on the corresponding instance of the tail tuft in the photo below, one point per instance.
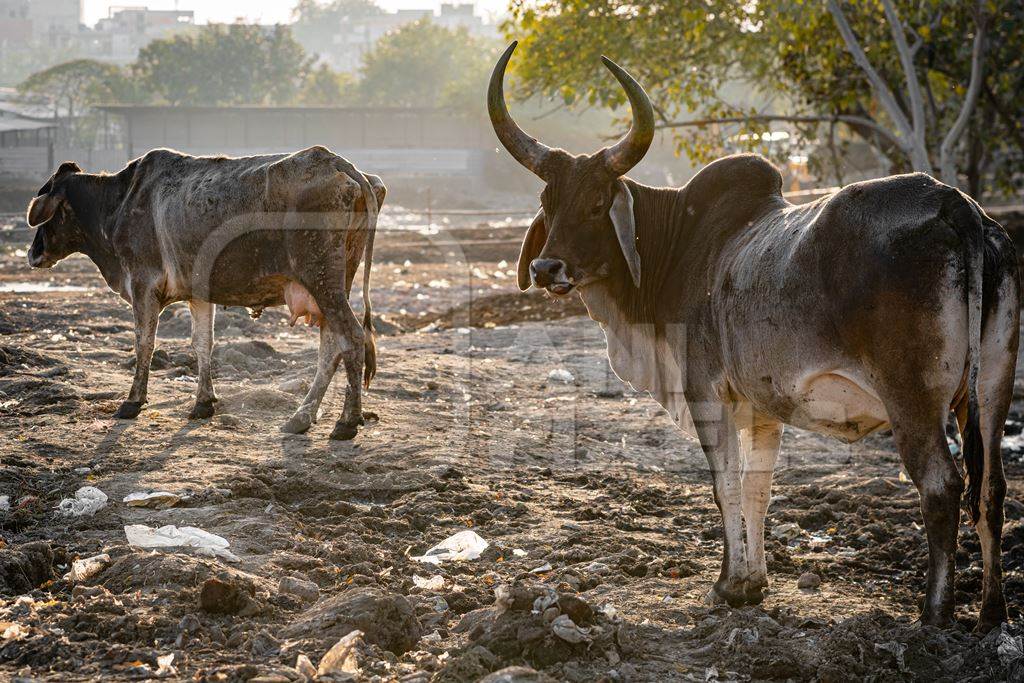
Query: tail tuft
(369, 350)
(974, 463)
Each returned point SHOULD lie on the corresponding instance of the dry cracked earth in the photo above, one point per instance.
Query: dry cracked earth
(603, 536)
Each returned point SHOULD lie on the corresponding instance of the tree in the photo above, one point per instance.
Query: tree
(325, 87)
(224, 65)
(422, 64)
(910, 79)
(72, 87)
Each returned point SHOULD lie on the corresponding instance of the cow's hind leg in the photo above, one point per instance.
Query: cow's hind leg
(920, 435)
(759, 444)
(146, 310)
(329, 357)
(202, 343)
(353, 348)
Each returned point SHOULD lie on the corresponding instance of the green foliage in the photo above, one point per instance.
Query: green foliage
(218, 65)
(76, 85)
(324, 87)
(426, 65)
(685, 52)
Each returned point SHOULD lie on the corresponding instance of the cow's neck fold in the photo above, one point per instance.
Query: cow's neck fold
(95, 200)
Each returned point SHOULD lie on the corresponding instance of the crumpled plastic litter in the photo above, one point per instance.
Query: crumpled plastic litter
(87, 568)
(87, 501)
(152, 499)
(566, 629)
(170, 536)
(561, 375)
(434, 583)
(465, 545)
(1011, 653)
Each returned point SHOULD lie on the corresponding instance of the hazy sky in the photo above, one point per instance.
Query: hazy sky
(263, 11)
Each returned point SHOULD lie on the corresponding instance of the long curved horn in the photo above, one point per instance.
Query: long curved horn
(523, 148)
(627, 152)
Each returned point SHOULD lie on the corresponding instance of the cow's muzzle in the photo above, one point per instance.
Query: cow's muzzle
(37, 255)
(550, 274)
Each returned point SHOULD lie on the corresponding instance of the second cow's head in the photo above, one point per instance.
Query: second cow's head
(585, 229)
(58, 233)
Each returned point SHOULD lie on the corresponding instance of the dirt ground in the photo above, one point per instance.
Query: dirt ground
(603, 536)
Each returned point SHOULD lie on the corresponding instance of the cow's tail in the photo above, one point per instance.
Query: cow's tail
(963, 215)
(370, 345)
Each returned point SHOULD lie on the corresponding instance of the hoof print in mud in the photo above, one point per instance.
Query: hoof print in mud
(129, 410)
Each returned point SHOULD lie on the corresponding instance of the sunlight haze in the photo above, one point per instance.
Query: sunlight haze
(259, 11)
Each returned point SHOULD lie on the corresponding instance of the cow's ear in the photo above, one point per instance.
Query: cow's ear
(534, 241)
(621, 214)
(42, 209)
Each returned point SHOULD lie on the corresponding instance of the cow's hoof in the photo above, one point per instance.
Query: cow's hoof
(129, 410)
(298, 423)
(990, 618)
(201, 411)
(753, 595)
(344, 431)
(722, 594)
(938, 619)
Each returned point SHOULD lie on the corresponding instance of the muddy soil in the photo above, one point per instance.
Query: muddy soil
(603, 536)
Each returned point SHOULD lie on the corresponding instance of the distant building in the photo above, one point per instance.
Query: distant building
(356, 37)
(48, 23)
(120, 36)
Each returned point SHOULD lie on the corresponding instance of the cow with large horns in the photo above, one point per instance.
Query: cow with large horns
(884, 305)
(268, 230)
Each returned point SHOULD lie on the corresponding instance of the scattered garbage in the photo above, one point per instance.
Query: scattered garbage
(170, 536)
(434, 583)
(342, 657)
(159, 500)
(12, 630)
(561, 375)
(465, 545)
(566, 629)
(787, 532)
(305, 667)
(546, 567)
(1011, 653)
(519, 552)
(896, 649)
(87, 568)
(5, 503)
(87, 501)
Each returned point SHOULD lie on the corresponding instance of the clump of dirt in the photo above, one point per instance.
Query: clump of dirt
(386, 619)
(26, 396)
(535, 623)
(14, 359)
(26, 567)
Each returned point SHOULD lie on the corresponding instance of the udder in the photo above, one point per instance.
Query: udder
(838, 404)
(301, 304)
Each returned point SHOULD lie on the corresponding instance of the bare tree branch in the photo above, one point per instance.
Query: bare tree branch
(918, 156)
(909, 72)
(947, 164)
(766, 118)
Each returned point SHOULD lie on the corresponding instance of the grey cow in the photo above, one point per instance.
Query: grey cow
(251, 231)
(885, 305)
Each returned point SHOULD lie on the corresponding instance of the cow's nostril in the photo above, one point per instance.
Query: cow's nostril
(546, 271)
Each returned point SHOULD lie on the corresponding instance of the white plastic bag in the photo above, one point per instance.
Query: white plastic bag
(465, 545)
(87, 501)
(170, 536)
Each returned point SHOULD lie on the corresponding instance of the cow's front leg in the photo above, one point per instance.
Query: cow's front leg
(327, 363)
(146, 309)
(759, 444)
(203, 315)
(720, 442)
